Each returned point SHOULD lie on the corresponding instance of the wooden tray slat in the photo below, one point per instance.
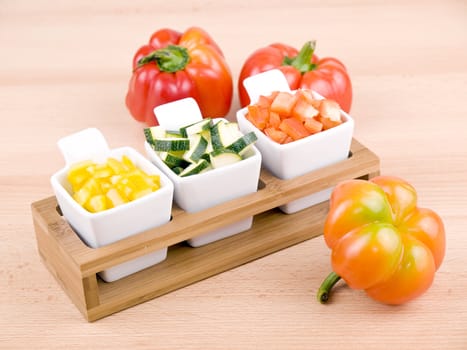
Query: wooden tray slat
(75, 265)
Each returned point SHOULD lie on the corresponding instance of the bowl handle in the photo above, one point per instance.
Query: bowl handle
(265, 83)
(83, 145)
(174, 115)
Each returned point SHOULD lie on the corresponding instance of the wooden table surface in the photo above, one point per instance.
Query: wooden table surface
(65, 66)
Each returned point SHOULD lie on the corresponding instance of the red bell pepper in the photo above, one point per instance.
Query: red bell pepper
(177, 65)
(381, 241)
(327, 76)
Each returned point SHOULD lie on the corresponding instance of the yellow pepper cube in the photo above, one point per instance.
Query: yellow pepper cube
(96, 203)
(141, 193)
(125, 188)
(102, 171)
(82, 196)
(92, 185)
(156, 180)
(128, 163)
(115, 179)
(137, 179)
(105, 185)
(80, 166)
(78, 179)
(115, 197)
(79, 173)
(117, 166)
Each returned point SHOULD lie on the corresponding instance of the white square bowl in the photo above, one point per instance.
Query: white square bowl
(201, 191)
(109, 226)
(290, 160)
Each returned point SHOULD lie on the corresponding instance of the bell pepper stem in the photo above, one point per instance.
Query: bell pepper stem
(325, 288)
(170, 59)
(302, 62)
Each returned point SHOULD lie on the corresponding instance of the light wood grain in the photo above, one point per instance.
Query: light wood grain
(65, 66)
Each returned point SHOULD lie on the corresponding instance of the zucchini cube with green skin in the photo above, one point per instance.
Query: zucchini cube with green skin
(196, 128)
(240, 145)
(215, 137)
(177, 170)
(172, 159)
(224, 134)
(195, 168)
(173, 134)
(223, 157)
(206, 134)
(171, 144)
(198, 145)
(154, 132)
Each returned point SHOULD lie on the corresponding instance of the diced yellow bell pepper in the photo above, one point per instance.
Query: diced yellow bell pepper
(127, 161)
(96, 203)
(156, 180)
(115, 178)
(141, 193)
(137, 181)
(125, 188)
(105, 185)
(82, 195)
(79, 173)
(80, 166)
(102, 171)
(98, 187)
(116, 166)
(115, 197)
(93, 186)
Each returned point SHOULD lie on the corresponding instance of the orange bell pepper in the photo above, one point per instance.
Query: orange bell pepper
(381, 241)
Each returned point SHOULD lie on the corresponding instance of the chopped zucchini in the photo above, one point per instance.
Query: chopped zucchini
(196, 128)
(173, 134)
(198, 145)
(224, 134)
(195, 168)
(223, 157)
(216, 137)
(172, 159)
(154, 132)
(171, 144)
(206, 156)
(240, 145)
(207, 135)
(177, 170)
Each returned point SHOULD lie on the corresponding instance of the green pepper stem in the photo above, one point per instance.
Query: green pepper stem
(302, 62)
(171, 59)
(325, 288)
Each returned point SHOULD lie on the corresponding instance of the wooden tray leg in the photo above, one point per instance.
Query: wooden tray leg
(51, 242)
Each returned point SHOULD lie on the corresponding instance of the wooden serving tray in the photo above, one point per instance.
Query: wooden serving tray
(75, 265)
